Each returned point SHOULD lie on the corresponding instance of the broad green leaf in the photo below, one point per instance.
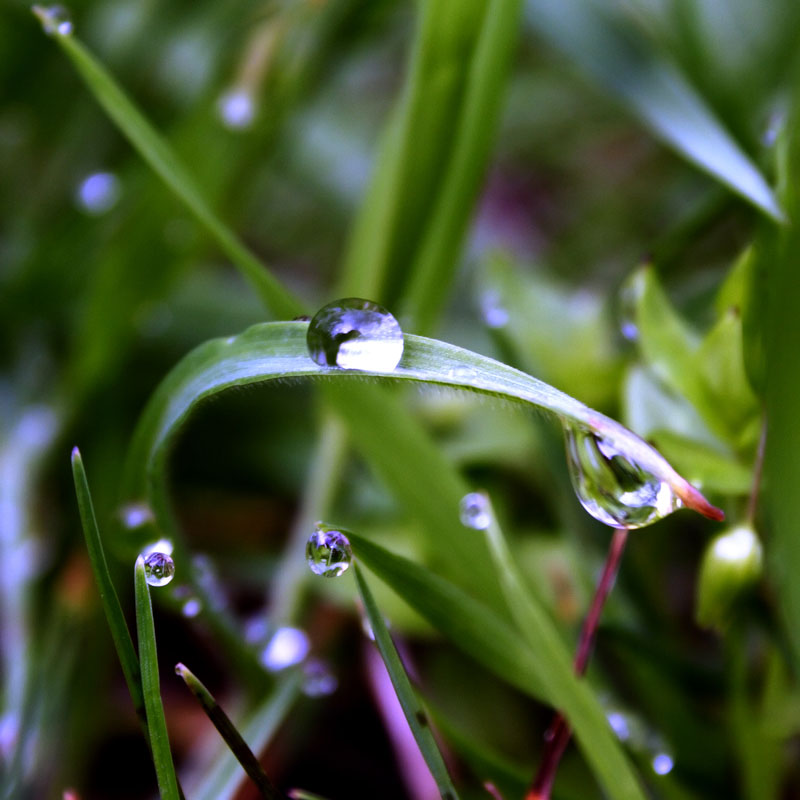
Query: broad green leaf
(151, 688)
(278, 351)
(415, 714)
(471, 627)
(654, 91)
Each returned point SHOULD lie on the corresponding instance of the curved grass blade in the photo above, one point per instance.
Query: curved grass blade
(222, 781)
(156, 724)
(654, 90)
(544, 674)
(108, 594)
(155, 150)
(278, 351)
(415, 714)
(227, 730)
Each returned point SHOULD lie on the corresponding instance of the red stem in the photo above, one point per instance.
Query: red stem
(559, 733)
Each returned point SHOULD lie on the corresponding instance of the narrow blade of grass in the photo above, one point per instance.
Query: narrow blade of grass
(232, 737)
(223, 779)
(598, 743)
(156, 723)
(412, 708)
(302, 794)
(108, 594)
(155, 150)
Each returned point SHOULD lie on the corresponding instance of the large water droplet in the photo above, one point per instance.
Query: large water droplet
(56, 20)
(328, 552)
(355, 334)
(159, 568)
(475, 512)
(288, 646)
(318, 679)
(611, 486)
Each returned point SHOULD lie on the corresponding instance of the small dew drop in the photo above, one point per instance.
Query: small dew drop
(318, 679)
(159, 568)
(627, 298)
(236, 109)
(494, 313)
(355, 334)
(474, 511)
(134, 515)
(287, 647)
(612, 487)
(98, 193)
(328, 552)
(662, 763)
(56, 20)
(619, 724)
(191, 608)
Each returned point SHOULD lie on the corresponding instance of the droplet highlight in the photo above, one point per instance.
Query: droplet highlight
(475, 511)
(287, 647)
(355, 334)
(98, 193)
(135, 515)
(662, 763)
(159, 568)
(318, 679)
(56, 20)
(612, 487)
(328, 552)
(236, 109)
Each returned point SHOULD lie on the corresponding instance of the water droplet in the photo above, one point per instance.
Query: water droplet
(159, 568)
(288, 646)
(256, 629)
(475, 512)
(495, 315)
(355, 334)
(56, 20)
(662, 763)
(318, 679)
(627, 300)
(619, 724)
(237, 108)
(328, 552)
(9, 734)
(191, 608)
(611, 486)
(98, 193)
(134, 515)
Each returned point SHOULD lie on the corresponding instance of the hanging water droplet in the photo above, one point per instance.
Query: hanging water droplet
(355, 334)
(328, 552)
(662, 763)
(318, 679)
(56, 20)
(288, 646)
(611, 486)
(237, 108)
(159, 568)
(475, 512)
(97, 193)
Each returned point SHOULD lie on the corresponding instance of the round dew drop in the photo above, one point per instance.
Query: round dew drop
(355, 334)
(474, 511)
(56, 20)
(612, 487)
(159, 569)
(328, 552)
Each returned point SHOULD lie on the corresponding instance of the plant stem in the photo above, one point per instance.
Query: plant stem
(559, 733)
(758, 469)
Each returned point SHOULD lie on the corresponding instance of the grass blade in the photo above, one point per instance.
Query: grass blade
(227, 730)
(412, 708)
(108, 594)
(222, 781)
(155, 150)
(156, 723)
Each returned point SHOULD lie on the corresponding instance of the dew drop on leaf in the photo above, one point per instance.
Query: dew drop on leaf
(287, 647)
(159, 568)
(355, 334)
(328, 552)
(56, 20)
(611, 486)
(474, 511)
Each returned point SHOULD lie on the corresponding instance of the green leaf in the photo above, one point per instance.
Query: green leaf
(653, 90)
(227, 730)
(155, 150)
(278, 350)
(108, 594)
(148, 658)
(415, 714)
(223, 779)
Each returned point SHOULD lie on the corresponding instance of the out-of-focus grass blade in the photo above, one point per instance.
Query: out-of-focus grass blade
(155, 150)
(222, 781)
(543, 673)
(302, 794)
(227, 730)
(437, 258)
(108, 594)
(653, 89)
(600, 746)
(148, 659)
(412, 708)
